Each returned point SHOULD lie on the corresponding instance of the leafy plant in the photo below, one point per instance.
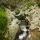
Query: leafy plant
(3, 23)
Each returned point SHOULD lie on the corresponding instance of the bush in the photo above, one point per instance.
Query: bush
(3, 23)
(3, 20)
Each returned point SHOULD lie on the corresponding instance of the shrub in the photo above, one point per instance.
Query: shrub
(3, 23)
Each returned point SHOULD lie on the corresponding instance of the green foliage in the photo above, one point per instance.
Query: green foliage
(29, 4)
(3, 20)
(3, 23)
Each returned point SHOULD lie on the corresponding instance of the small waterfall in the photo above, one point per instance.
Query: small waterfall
(22, 36)
(26, 34)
